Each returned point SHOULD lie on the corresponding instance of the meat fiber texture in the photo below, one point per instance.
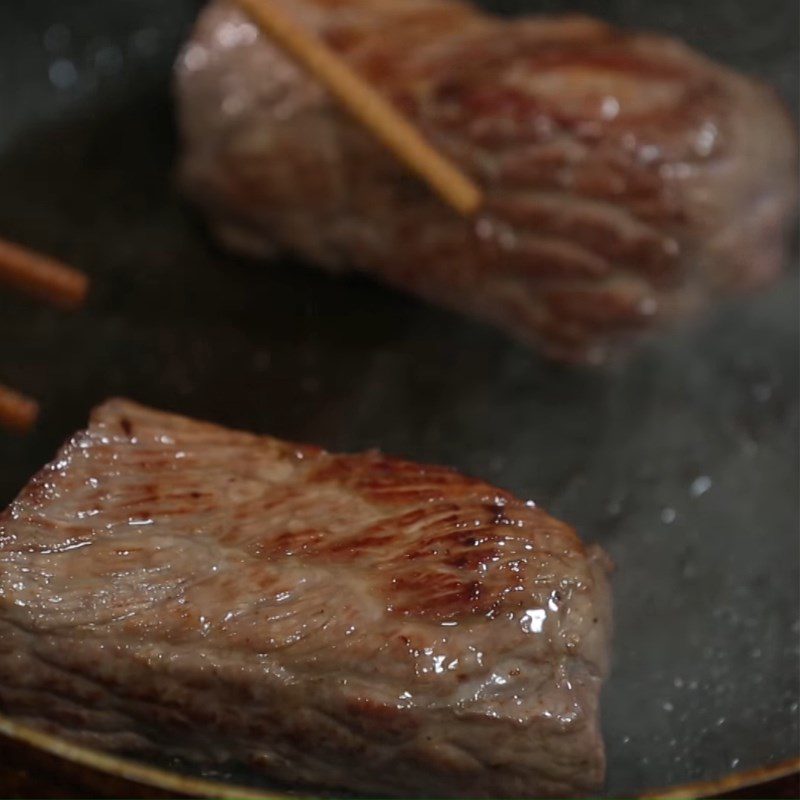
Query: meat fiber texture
(349, 622)
(628, 179)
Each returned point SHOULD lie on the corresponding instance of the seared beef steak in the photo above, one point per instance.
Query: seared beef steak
(343, 621)
(628, 179)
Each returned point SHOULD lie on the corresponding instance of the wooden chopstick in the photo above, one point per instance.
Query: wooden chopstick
(368, 106)
(46, 279)
(41, 276)
(17, 412)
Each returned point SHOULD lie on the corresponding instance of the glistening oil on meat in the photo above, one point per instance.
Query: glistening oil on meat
(347, 622)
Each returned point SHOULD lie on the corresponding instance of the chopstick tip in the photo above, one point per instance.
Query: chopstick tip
(18, 413)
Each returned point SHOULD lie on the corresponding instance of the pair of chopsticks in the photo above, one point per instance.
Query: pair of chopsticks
(45, 279)
(63, 286)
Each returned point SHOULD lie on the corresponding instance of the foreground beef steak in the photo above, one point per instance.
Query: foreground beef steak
(629, 180)
(351, 622)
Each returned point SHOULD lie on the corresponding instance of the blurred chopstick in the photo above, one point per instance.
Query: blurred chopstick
(41, 276)
(17, 412)
(367, 106)
(48, 280)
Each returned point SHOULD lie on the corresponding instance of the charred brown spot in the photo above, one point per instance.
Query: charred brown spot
(360, 544)
(127, 426)
(439, 594)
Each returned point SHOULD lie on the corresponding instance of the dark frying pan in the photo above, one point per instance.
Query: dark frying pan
(683, 463)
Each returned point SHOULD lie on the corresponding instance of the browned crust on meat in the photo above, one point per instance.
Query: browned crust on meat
(628, 180)
(167, 585)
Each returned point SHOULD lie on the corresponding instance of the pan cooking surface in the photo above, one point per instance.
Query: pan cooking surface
(682, 463)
